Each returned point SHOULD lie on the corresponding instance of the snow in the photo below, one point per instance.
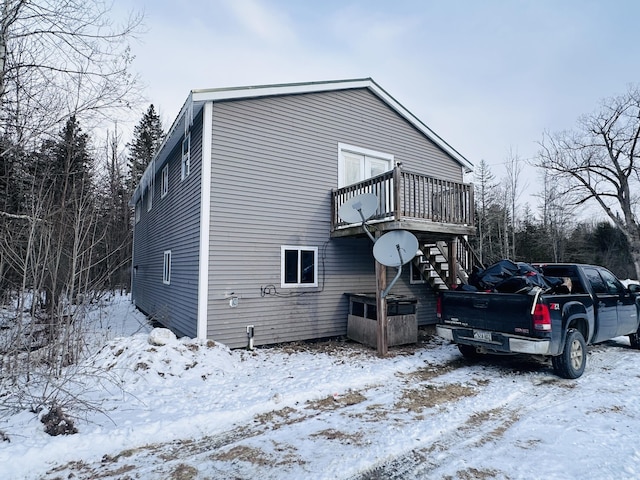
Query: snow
(184, 408)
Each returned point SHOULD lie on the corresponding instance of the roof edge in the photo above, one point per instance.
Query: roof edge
(198, 97)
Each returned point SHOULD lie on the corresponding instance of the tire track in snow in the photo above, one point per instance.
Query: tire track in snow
(502, 390)
(474, 429)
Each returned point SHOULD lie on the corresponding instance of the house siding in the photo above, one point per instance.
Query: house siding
(172, 224)
(274, 163)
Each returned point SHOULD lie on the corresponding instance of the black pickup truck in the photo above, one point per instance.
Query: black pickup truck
(597, 308)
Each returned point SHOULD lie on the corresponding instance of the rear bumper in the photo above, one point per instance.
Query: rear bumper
(500, 342)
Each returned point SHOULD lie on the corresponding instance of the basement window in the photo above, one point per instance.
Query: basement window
(298, 266)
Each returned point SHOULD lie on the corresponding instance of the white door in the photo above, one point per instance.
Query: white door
(357, 167)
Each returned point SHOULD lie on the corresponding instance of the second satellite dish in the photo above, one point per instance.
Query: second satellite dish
(395, 248)
(359, 209)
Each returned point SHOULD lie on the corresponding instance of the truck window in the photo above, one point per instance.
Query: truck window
(563, 272)
(612, 283)
(597, 284)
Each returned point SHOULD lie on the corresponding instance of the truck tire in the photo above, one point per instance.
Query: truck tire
(573, 359)
(634, 339)
(469, 352)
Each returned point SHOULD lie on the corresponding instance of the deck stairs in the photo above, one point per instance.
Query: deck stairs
(433, 265)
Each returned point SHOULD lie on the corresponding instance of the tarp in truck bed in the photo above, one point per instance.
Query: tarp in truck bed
(507, 276)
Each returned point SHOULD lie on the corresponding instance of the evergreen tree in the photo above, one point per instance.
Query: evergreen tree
(71, 166)
(147, 138)
(70, 209)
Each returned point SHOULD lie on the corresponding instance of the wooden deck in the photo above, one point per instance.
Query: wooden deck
(431, 208)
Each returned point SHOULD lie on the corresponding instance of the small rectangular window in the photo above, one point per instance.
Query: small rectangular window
(186, 156)
(150, 197)
(138, 208)
(166, 271)
(165, 181)
(416, 276)
(299, 266)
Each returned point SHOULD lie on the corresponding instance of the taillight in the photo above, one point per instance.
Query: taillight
(541, 318)
(439, 307)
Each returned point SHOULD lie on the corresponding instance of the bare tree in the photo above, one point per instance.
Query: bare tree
(556, 214)
(61, 57)
(485, 187)
(61, 62)
(600, 162)
(514, 187)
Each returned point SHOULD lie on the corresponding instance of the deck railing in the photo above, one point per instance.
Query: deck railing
(411, 196)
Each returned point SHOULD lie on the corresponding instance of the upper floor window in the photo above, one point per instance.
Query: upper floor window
(299, 266)
(150, 197)
(165, 180)
(138, 208)
(186, 156)
(356, 164)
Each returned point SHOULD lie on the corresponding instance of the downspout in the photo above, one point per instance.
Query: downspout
(205, 219)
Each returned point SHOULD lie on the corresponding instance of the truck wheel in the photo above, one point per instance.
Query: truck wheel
(634, 339)
(469, 352)
(571, 362)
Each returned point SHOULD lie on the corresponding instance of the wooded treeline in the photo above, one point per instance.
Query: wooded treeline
(588, 195)
(65, 182)
(554, 231)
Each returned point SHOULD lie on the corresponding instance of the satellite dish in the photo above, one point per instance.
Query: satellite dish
(358, 209)
(395, 248)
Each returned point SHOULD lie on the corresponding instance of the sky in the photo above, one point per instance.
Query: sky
(167, 408)
(489, 77)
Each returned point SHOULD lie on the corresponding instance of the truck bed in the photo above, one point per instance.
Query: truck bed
(502, 312)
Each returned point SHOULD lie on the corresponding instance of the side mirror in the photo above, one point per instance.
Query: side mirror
(634, 288)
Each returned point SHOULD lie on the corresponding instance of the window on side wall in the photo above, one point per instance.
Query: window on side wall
(415, 275)
(138, 208)
(165, 181)
(166, 270)
(150, 197)
(356, 164)
(186, 156)
(299, 266)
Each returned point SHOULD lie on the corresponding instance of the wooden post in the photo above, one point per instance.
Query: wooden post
(396, 193)
(453, 262)
(381, 307)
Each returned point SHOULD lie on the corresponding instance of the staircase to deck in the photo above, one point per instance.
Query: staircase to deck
(434, 264)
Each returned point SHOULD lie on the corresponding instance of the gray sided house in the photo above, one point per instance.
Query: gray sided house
(236, 220)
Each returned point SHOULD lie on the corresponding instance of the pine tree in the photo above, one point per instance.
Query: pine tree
(70, 210)
(71, 168)
(147, 138)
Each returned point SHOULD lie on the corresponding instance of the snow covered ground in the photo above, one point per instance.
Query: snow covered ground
(332, 410)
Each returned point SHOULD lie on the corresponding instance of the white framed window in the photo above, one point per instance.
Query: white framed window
(298, 266)
(166, 270)
(356, 164)
(150, 197)
(186, 156)
(137, 212)
(414, 272)
(165, 181)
